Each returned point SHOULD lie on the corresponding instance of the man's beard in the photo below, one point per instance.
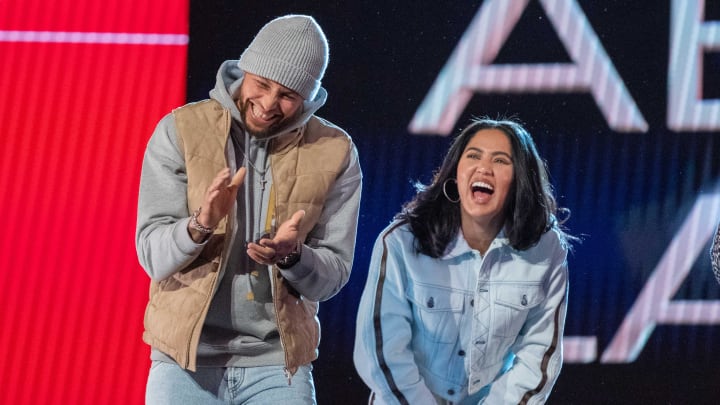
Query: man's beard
(273, 129)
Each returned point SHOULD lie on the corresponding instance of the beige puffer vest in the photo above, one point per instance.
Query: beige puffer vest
(304, 166)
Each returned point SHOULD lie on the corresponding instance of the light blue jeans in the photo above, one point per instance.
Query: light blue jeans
(169, 384)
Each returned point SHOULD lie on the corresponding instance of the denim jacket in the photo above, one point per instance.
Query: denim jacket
(464, 327)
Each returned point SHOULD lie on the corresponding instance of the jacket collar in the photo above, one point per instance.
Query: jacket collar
(459, 245)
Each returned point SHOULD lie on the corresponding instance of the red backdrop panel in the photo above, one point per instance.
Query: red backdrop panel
(74, 120)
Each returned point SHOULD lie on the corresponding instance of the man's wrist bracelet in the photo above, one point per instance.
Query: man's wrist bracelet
(194, 224)
(292, 258)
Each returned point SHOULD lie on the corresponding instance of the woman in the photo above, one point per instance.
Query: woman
(466, 292)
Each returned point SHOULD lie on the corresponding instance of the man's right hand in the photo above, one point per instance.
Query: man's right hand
(219, 199)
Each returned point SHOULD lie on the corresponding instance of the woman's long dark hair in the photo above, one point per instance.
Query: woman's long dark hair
(530, 208)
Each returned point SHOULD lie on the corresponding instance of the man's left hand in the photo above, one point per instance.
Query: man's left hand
(270, 251)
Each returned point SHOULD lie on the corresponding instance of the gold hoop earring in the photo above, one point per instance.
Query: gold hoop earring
(445, 191)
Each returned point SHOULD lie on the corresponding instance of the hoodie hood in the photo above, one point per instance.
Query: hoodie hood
(252, 152)
(228, 80)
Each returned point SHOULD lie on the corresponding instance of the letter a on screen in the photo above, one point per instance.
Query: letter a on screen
(470, 70)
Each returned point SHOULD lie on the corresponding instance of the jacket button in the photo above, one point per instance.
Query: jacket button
(472, 303)
(431, 302)
(461, 353)
(451, 392)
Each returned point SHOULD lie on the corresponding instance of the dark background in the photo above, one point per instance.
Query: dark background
(628, 192)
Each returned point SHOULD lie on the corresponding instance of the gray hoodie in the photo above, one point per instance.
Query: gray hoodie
(240, 329)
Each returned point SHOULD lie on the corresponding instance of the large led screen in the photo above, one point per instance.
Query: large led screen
(622, 98)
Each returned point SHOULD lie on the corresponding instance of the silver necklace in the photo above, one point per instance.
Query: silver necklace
(261, 173)
(240, 147)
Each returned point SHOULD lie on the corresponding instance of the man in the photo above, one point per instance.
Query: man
(247, 217)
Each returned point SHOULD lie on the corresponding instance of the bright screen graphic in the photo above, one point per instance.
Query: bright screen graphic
(622, 98)
(82, 84)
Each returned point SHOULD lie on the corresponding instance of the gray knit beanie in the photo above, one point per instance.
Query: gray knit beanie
(291, 50)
